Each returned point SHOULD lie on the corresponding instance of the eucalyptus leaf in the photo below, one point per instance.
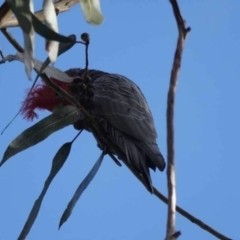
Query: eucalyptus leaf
(29, 46)
(63, 47)
(41, 130)
(50, 19)
(46, 32)
(28, 54)
(92, 11)
(84, 184)
(57, 163)
(27, 20)
(23, 10)
(50, 71)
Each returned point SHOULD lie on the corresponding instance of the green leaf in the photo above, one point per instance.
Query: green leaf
(28, 54)
(50, 20)
(81, 189)
(57, 163)
(50, 71)
(62, 49)
(41, 130)
(48, 33)
(27, 20)
(23, 10)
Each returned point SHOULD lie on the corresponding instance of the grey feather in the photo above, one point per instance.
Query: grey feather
(123, 112)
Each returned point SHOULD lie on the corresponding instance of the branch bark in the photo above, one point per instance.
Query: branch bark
(182, 30)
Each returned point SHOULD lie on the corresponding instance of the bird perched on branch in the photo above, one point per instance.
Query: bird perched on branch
(119, 107)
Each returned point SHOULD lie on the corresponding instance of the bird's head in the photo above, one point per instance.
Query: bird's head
(42, 97)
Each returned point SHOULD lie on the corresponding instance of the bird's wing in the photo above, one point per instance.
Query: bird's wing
(122, 104)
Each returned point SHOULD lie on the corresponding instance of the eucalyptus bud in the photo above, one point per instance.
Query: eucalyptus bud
(85, 37)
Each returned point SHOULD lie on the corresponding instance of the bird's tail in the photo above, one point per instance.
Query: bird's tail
(140, 155)
(155, 158)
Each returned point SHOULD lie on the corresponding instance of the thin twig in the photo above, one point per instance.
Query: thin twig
(158, 194)
(12, 40)
(171, 182)
(180, 210)
(77, 135)
(86, 58)
(86, 38)
(1, 54)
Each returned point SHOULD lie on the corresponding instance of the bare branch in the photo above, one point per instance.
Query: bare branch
(170, 233)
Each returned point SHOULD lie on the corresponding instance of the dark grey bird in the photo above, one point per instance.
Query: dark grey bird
(120, 108)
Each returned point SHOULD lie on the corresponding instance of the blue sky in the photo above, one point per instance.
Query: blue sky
(137, 39)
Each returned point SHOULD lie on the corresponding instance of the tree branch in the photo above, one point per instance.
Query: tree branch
(170, 232)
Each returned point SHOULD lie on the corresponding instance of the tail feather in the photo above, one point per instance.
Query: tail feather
(155, 158)
(138, 160)
(137, 157)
